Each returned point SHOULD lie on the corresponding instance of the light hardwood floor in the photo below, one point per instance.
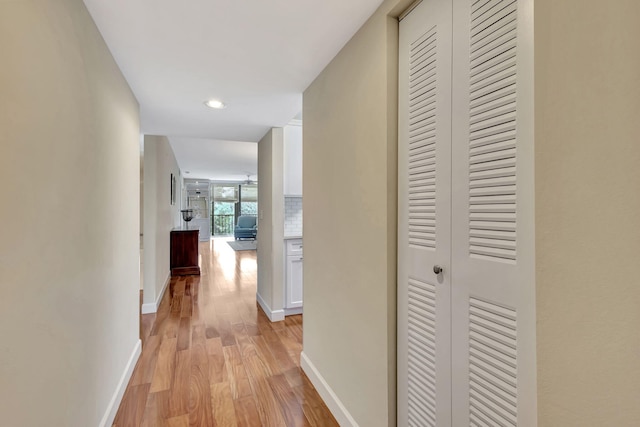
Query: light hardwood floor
(210, 357)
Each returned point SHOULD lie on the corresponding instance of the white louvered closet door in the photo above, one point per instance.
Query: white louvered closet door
(424, 298)
(482, 308)
(493, 311)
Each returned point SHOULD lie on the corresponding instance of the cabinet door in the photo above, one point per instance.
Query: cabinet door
(493, 301)
(292, 173)
(424, 216)
(294, 281)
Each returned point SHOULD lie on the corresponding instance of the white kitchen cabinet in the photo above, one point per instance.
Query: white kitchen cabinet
(292, 165)
(293, 291)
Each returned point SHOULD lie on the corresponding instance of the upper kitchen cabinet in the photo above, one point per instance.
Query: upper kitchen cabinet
(293, 159)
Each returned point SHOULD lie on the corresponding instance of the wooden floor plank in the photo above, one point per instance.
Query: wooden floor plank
(212, 358)
(182, 421)
(264, 353)
(236, 372)
(226, 333)
(187, 309)
(200, 413)
(165, 365)
(132, 407)
(199, 346)
(293, 347)
(184, 334)
(179, 395)
(176, 303)
(147, 362)
(279, 351)
(170, 326)
(157, 409)
(222, 405)
(291, 408)
(271, 413)
(246, 412)
(294, 377)
(313, 408)
(216, 360)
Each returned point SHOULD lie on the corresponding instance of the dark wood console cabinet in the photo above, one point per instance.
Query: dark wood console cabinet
(184, 252)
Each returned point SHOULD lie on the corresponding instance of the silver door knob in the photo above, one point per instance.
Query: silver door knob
(437, 269)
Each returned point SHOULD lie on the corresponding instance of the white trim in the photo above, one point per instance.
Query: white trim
(409, 9)
(152, 307)
(112, 409)
(332, 401)
(292, 311)
(148, 308)
(273, 315)
(295, 122)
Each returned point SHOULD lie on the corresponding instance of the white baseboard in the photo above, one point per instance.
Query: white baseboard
(292, 311)
(152, 307)
(273, 315)
(112, 409)
(334, 404)
(149, 308)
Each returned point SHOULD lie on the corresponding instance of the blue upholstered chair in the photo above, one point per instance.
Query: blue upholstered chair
(246, 227)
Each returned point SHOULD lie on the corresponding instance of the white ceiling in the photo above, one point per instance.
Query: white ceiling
(257, 56)
(212, 159)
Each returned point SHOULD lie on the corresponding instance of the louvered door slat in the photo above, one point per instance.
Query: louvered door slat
(489, 39)
(503, 24)
(499, 152)
(488, 17)
(493, 360)
(492, 127)
(421, 350)
(492, 173)
(493, 208)
(493, 156)
(422, 133)
(495, 110)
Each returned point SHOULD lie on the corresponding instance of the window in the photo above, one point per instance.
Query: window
(249, 200)
(223, 218)
(230, 201)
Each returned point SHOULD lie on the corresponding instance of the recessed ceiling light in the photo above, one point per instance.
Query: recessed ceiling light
(214, 103)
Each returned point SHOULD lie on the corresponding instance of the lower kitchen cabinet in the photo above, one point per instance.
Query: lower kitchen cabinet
(293, 291)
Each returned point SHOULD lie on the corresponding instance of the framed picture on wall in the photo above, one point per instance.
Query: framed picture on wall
(173, 189)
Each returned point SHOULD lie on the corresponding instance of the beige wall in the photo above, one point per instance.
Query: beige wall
(271, 221)
(69, 132)
(587, 79)
(350, 191)
(160, 216)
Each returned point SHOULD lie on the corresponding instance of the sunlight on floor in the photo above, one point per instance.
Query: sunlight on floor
(248, 265)
(230, 262)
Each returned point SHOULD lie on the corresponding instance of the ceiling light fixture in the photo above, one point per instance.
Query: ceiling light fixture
(214, 103)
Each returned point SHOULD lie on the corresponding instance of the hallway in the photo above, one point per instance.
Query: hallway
(210, 357)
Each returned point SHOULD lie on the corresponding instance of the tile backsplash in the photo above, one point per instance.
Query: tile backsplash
(293, 216)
